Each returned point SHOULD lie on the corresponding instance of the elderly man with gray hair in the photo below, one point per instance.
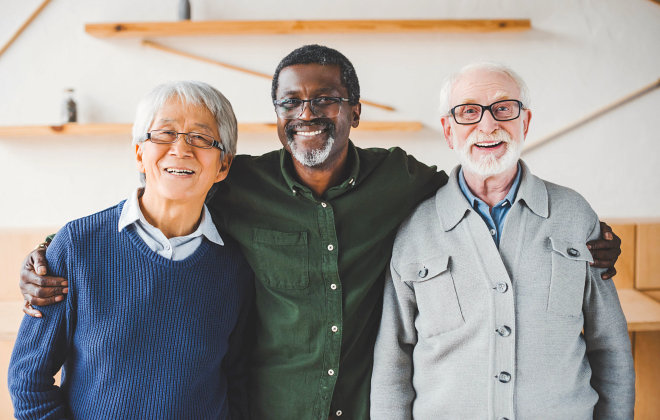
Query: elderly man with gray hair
(135, 336)
(491, 307)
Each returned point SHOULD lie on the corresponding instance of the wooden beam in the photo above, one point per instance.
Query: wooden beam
(592, 116)
(24, 25)
(271, 27)
(125, 129)
(164, 48)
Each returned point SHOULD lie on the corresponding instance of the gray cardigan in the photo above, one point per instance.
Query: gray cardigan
(470, 332)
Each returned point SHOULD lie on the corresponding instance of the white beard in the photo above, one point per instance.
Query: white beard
(314, 157)
(489, 165)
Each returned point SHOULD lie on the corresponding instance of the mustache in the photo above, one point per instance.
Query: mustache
(324, 123)
(497, 136)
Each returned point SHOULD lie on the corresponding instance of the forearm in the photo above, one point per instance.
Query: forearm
(392, 391)
(38, 354)
(608, 350)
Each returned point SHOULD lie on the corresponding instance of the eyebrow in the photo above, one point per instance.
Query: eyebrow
(499, 96)
(321, 91)
(169, 120)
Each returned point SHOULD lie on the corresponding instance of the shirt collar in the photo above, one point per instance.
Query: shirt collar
(296, 187)
(131, 213)
(452, 204)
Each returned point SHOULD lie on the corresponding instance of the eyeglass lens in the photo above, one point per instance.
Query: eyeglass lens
(501, 111)
(322, 107)
(194, 139)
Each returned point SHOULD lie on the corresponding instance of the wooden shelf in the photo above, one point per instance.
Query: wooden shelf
(125, 129)
(269, 27)
(642, 312)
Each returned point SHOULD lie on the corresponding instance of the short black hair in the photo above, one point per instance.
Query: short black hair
(325, 56)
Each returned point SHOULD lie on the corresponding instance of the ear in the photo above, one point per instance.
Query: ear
(527, 116)
(356, 110)
(223, 171)
(447, 130)
(138, 157)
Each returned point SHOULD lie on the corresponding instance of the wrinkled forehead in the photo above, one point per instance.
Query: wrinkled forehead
(483, 87)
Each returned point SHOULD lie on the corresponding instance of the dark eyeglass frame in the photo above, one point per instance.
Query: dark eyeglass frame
(214, 142)
(488, 108)
(313, 104)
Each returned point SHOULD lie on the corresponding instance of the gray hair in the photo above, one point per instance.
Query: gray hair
(450, 81)
(193, 93)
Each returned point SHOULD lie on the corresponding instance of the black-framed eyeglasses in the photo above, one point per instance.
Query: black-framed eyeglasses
(322, 107)
(202, 141)
(505, 110)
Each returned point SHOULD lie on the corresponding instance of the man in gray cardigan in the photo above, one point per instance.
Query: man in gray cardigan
(491, 307)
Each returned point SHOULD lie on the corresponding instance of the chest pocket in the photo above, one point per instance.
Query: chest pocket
(282, 258)
(569, 273)
(439, 310)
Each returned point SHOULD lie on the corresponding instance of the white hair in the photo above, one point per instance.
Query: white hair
(450, 81)
(193, 93)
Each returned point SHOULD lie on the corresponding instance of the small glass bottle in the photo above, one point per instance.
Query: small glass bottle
(184, 10)
(69, 108)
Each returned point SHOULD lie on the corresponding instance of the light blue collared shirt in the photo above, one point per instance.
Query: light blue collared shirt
(494, 218)
(177, 248)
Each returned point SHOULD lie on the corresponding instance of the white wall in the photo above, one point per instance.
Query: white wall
(579, 56)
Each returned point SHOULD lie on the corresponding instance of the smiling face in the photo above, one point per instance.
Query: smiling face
(178, 171)
(488, 147)
(312, 141)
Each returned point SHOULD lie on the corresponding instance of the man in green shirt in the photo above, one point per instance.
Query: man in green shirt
(316, 221)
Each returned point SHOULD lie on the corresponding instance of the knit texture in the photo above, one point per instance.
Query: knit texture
(139, 336)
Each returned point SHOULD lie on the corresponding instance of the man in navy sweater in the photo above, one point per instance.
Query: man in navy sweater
(135, 337)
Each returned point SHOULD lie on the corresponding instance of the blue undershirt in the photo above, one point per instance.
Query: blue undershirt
(494, 218)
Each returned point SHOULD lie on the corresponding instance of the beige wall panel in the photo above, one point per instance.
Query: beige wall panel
(647, 369)
(647, 269)
(14, 246)
(625, 265)
(655, 294)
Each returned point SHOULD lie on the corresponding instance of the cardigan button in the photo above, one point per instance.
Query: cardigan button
(501, 287)
(573, 252)
(504, 377)
(503, 331)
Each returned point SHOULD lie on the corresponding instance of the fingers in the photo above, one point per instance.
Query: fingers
(40, 265)
(608, 274)
(32, 292)
(29, 310)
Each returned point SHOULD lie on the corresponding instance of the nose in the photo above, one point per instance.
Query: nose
(306, 112)
(180, 147)
(488, 124)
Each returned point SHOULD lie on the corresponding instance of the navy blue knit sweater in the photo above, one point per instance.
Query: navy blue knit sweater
(138, 336)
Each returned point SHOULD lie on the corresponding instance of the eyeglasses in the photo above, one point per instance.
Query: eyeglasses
(322, 107)
(199, 140)
(506, 110)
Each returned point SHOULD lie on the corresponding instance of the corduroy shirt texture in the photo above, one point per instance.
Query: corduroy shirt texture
(319, 265)
(140, 336)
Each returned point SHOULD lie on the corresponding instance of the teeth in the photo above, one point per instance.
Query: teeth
(179, 171)
(488, 144)
(309, 133)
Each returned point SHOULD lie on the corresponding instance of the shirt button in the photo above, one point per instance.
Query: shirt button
(293, 190)
(331, 247)
(167, 247)
(493, 232)
(333, 286)
(573, 252)
(504, 377)
(324, 205)
(334, 328)
(423, 272)
(502, 287)
(351, 181)
(338, 413)
(331, 372)
(504, 331)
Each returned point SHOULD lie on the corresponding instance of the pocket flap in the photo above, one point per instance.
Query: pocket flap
(573, 250)
(425, 269)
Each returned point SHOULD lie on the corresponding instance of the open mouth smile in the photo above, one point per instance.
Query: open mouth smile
(176, 171)
(488, 145)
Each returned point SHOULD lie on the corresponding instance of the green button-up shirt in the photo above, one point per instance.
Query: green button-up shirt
(319, 264)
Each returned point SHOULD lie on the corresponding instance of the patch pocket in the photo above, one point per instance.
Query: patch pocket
(438, 306)
(282, 258)
(569, 272)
